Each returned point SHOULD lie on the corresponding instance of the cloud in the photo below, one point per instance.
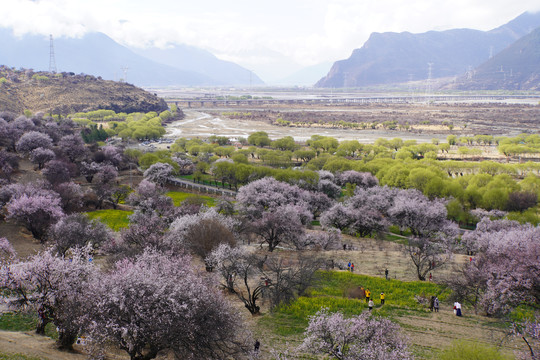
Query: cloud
(304, 31)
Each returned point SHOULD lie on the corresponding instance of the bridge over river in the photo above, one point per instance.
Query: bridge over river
(344, 101)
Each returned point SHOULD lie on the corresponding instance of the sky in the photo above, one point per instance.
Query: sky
(259, 35)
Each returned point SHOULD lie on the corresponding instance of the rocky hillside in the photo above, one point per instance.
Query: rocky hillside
(66, 92)
(515, 68)
(388, 58)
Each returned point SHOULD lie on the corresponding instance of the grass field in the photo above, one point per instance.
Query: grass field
(118, 219)
(17, 322)
(178, 197)
(331, 291)
(115, 219)
(429, 333)
(20, 321)
(5, 356)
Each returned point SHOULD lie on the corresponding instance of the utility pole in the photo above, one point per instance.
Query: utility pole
(52, 60)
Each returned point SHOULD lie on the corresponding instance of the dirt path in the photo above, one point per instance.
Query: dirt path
(30, 344)
(436, 331)
(42, 347)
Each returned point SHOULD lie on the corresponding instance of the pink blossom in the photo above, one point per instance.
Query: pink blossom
(358, 337)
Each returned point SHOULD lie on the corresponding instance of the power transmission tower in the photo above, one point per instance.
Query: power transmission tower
(409, 87)
(469, 72)
(125, 70)
(428, 83)
(52, 60)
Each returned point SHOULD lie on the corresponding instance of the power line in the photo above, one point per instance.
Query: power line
(52, 60)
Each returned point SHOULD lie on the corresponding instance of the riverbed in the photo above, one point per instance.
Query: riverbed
(199, 124)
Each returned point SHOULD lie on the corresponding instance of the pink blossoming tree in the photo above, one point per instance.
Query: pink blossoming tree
(36, 212)
(54, 287)
(157, 302)
(358, 337)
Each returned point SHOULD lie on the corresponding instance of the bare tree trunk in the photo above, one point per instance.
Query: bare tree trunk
(66, 339)
(42, 323)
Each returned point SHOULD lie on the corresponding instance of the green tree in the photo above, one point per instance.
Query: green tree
(259, 138)
(495, 198)
(224, 171)
(444, 147)
(420, 177)
(326, 143)
(348, 148)
(451, 139)
(404, 153)
(285, 143)
(434, 188)
(456, 211)
(396, 143)
(338, 164)
(304, 154)
(239, 158)
(394, 176)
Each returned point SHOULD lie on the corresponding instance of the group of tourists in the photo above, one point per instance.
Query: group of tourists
(434, 306)
(369, 299)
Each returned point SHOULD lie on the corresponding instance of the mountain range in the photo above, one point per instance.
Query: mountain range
(389, 58)
(472, 59)
(97, 54)
(515, 68)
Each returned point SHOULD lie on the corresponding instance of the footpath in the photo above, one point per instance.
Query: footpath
(190, 185)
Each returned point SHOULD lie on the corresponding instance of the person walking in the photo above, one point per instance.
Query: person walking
(349, 266)
(337, 352)
(382, 298)
(386, 274)
(436, 304)
(370, 305)
(458, 308)
(368, 295)
(432, 303)
(352, 267)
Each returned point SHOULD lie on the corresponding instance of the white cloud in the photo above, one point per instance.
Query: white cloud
(304, 31)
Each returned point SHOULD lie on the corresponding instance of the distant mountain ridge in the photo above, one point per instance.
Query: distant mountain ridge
(388, 58)
(190, 58)
(515, 68)
(97, 54)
